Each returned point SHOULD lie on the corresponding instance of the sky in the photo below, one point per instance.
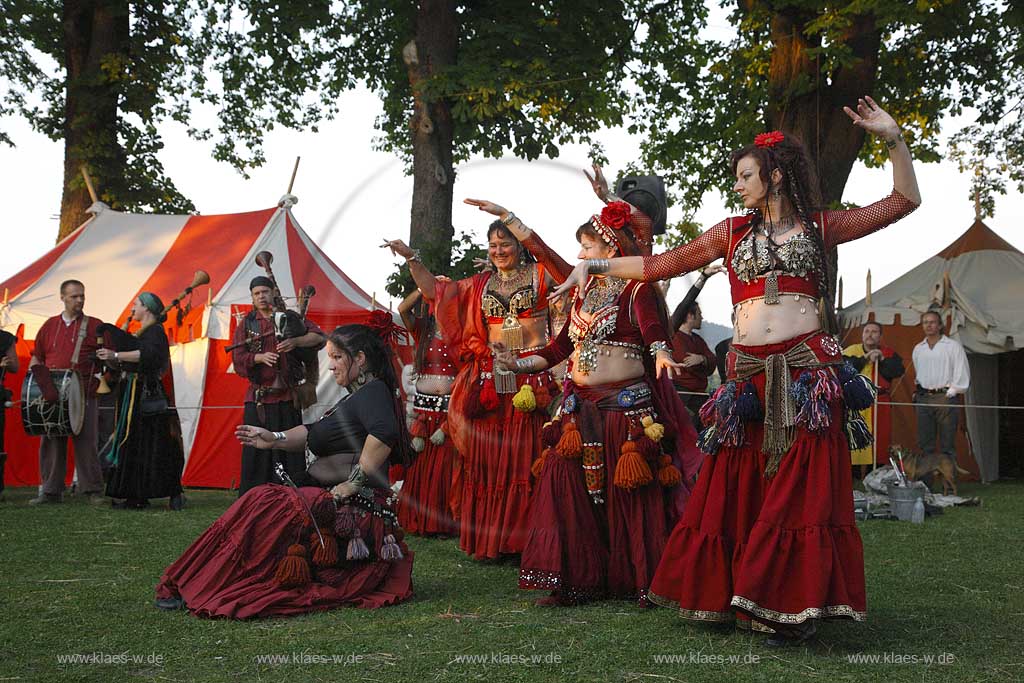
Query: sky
(351, 197)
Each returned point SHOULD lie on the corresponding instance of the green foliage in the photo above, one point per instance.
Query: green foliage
(701, 97)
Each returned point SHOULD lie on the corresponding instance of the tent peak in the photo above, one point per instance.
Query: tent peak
(287, 200)
(978, 237)
(97, 208)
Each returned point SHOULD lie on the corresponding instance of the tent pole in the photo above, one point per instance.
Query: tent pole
(295, 170)
(88, 185)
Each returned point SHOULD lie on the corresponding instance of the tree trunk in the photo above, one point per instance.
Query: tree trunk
(96, 35)
(804, 103)
(431, 52)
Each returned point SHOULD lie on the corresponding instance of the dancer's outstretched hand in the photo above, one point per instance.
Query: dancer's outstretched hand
(873, 119)
(503, 357)
(399, 248)
(577, 278)
(489, 207)
(664, 365)
(257, 437)
(598, 182)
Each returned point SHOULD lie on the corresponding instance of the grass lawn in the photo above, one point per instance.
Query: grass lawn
(78, 579)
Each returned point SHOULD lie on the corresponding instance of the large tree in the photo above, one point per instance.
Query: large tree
(794, 64)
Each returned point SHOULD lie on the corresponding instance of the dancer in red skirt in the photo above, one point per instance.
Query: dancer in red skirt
(769, 533)
(279, 550)
(609, 486)
(427, 504)
(495, 436)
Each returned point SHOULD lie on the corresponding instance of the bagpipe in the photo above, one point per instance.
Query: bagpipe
(288, 324)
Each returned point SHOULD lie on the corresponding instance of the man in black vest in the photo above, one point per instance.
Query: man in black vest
(272, 371)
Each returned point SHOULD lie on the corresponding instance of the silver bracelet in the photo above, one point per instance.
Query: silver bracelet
(891, 144)
(658, 346)
(524, 364)
(597, 266)
(279, 436)
(507, 220)
(415, 256)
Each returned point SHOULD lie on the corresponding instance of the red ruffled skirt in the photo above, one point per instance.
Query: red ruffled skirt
(493, 518)
(229, 571)
(426, 503)
(780, 550)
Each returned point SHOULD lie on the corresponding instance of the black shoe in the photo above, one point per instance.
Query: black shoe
(170, 604)
(177, 502)
(798, 635)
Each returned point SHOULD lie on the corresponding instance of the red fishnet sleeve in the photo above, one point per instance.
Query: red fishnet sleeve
(846, 226)
(712, 244)
(547, 257)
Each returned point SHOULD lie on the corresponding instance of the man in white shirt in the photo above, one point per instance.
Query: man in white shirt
(942, 375)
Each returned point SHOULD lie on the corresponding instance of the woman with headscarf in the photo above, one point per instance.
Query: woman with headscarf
(145, 451)
(280, 550)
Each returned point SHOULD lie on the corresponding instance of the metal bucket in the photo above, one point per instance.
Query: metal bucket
(902, 499)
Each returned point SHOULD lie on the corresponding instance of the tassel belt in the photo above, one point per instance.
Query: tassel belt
(430, 403)
(634, 397)
(806, 402)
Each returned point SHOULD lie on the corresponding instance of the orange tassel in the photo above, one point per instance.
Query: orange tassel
(632, 471)
(669, 475)
(293, 570)
(489, 395)
(538, 464)
(325, 555)
(571, 443)
(419, 427)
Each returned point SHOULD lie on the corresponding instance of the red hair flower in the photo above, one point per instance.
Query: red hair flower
(769, 139)
(616, 215)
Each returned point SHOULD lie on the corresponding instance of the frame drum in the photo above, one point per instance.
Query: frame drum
(63, 418)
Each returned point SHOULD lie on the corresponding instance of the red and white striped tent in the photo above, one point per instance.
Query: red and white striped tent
(117, 255)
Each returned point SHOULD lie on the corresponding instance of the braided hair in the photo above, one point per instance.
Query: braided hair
(350, 340)
(800, 186)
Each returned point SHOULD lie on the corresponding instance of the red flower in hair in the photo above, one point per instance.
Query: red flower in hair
(616, 215)
(769, 139)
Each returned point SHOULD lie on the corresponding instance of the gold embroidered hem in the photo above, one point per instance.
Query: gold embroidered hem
(692, 614)
(826, 612)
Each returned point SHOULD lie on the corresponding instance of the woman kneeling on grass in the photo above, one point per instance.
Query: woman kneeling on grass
(769, 533)
(279, 550)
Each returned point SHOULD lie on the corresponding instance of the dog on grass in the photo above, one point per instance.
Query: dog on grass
(920, 465)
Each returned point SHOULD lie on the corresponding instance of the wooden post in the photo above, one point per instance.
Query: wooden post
(295, 170)
(839, 294)
(373, 302)
(88, 185)
(867, 285)
(5, 296)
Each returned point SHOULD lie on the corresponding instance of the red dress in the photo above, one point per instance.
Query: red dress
(590, 536)
(496, 441)
(428, 500)
(769, 532)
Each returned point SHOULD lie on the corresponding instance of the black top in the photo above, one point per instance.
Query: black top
(6, 339)
(344, 428)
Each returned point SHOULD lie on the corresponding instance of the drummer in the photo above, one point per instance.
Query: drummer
(68, 341)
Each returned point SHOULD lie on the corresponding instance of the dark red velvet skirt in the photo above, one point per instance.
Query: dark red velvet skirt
(426, 500)
(574, 544)
(779, 550)
(229, 570)
(495, 504)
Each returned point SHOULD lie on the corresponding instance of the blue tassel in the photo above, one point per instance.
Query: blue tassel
(800, 390)
(726, 400)
(748, 405)
(707, 440)
(859, 392)
(847, 372)
(857, 433)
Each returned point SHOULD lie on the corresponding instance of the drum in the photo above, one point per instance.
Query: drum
(63, 418)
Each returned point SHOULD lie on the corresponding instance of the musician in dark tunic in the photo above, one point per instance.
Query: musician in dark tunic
(271, 368)
(280, 551)
(145, 452)
(8, 363)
